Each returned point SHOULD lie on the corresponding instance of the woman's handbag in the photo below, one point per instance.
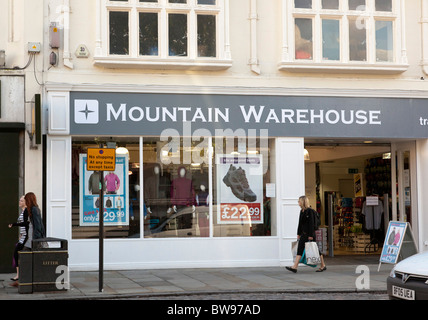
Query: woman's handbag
(312, 253)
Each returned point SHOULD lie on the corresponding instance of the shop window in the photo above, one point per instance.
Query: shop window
(163, 34)
(176, 188)
(242, 174)
(350, 35)
(121, 191)
(185, 196)
(186, 190)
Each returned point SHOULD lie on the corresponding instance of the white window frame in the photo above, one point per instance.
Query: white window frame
(344, 65)
(163, 60)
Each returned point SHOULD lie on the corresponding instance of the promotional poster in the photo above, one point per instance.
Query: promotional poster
(115, 184)
(240, 189)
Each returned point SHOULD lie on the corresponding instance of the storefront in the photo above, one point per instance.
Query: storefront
(201, 180)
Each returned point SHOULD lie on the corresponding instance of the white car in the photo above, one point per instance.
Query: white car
(409, 278)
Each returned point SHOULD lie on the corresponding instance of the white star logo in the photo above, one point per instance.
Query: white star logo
(86, 111)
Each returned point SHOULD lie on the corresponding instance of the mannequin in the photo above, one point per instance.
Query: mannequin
(182, 195)
(156, 193)
(202, 198)
(202, 201)
(151, 188)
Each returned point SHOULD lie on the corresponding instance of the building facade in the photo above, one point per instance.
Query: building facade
(210, 105)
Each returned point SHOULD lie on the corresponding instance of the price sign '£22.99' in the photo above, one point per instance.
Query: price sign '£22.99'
(240, 212)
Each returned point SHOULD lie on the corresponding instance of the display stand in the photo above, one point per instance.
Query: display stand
(399, 243)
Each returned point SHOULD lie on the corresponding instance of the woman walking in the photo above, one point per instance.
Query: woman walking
(305, 233)
(36, 229)
(23, 230)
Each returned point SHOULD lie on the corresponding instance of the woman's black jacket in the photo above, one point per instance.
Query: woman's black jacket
(306, 223)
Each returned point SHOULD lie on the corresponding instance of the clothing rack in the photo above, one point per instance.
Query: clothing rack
(374, 241)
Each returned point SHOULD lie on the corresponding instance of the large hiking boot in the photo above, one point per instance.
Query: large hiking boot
(238, 183)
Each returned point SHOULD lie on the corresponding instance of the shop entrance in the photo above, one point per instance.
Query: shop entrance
(350, 184)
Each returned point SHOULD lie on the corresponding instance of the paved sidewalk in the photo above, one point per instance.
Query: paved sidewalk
(340, 276)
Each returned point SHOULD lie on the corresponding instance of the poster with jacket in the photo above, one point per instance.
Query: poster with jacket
(115, 186)
(239, 189)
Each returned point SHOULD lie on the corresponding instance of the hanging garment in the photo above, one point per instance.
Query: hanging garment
(373, 215)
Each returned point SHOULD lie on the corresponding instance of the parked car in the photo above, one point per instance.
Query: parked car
(409, 278)
(194, 222)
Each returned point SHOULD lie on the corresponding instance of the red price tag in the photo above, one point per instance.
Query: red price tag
(240, 212)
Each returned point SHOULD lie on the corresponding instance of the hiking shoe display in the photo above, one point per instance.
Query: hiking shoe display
(238, 183)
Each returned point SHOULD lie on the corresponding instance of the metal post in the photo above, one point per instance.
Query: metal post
(330, 225)
(101, 233)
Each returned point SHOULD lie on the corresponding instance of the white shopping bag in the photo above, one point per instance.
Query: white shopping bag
(312, 253)
(294, 246)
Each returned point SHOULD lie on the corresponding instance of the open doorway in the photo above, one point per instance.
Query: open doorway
(339, 179)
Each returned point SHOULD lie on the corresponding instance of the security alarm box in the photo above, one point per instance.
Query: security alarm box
(54, 36)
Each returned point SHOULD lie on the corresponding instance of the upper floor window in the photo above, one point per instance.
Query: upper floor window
(338, 34)
(162, 33)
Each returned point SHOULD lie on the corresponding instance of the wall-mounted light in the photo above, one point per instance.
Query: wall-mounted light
(2, 58)
(386, 155)
(122, 150)
(306, 155)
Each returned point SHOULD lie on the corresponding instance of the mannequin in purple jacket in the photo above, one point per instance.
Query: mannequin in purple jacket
(182, 195)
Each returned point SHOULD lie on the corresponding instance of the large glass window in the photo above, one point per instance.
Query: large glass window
(207, 187)
(121, 190)
(186, 197)
(176, 188)
(241, 181)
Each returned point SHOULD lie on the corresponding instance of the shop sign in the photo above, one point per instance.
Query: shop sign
(109, 113)
(358, 185)
(115, 196)
(239, 189)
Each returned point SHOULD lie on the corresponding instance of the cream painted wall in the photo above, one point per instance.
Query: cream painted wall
(269, 35)
(22, 22)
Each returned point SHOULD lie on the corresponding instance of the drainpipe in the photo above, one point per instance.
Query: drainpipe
(66, 53)
(424, 23)
(254, 62)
